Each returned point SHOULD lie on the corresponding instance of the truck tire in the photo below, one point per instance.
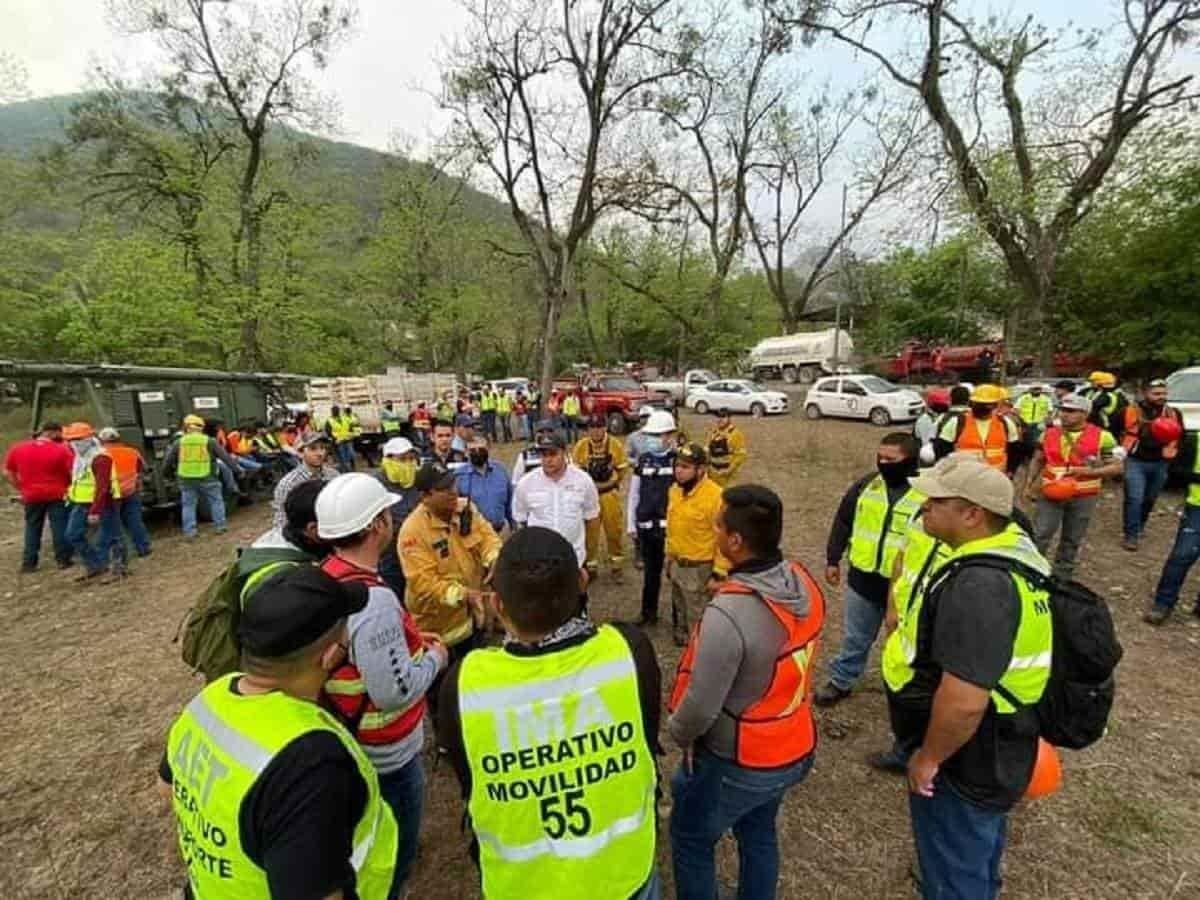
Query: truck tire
(880, 416)
(812, 411)
(616, 423)
(757, 410)
(702, 407)
(809, 374)
(790, 375)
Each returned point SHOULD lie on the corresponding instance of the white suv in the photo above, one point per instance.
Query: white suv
(862, 397)
(1183, 387)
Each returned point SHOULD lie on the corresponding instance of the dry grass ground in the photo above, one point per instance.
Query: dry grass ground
(92, 680)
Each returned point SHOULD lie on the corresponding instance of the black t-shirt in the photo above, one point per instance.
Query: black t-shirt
(297, 820)
(968, 630)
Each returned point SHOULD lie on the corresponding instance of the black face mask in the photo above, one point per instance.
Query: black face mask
(896, 473)
(478, 458)
(982, 410)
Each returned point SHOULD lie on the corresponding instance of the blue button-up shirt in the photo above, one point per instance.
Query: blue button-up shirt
(490, 490)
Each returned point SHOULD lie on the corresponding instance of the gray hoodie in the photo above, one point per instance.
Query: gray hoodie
(740, 639)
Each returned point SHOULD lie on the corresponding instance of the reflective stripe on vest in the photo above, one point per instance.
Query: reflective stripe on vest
(503, 404)
(562, 780)
(1086, 447)
(194, 459)
(995, 451)
(1029, 669)
(1193, 494)
(777, 729)
(487, 403)
(83, 487)
(217, 748)
(923, 556)
(255, 579)
(879, 527)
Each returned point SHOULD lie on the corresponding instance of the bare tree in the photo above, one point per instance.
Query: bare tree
(14, 79)
(1028, 166)
(540, 94)
(798, 162)
(248, 60)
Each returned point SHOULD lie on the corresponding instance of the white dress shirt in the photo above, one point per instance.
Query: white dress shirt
(563, 504)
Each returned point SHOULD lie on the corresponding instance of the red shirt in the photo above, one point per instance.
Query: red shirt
(42, 469)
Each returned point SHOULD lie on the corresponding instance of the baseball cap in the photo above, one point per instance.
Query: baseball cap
(292, 609)
(313, 437)
(969, 478)
(109, 434)
(550, 440)
(692, 453)
(434, 476)
(1075, 403)
(398, 446)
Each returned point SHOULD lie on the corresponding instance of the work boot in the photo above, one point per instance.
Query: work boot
(830, 694)
(1157, 614)
(89, 576)
(887, 761)
(1130, 544)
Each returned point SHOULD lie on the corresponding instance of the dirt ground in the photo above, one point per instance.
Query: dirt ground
(93, 680)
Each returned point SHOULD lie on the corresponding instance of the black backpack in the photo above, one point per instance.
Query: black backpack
(1074, 709)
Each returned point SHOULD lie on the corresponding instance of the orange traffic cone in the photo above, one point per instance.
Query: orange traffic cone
(1047, 772)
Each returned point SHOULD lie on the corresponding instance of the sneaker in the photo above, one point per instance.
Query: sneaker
(1130, 544)
(830, 694)
(887, 761)
(1156, 615)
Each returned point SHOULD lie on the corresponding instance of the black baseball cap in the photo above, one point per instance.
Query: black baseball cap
(545, 425)
(292, 609)
(434, 476)
(550, 440)
(692, 453)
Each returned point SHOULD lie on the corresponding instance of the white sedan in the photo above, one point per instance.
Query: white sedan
(862, 397)
(737, 395)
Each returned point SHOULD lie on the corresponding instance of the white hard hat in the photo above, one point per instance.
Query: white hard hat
(398, 446)
(645, 412)
(660, 422)
(349, 503)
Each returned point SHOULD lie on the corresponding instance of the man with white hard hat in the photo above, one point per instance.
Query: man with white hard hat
(646, 510)
(391, 665)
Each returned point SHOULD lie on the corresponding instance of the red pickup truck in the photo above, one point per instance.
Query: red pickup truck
(616, 396)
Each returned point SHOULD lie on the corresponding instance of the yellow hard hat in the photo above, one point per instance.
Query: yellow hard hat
(193, 421)
(1103, 379)
(988, 393)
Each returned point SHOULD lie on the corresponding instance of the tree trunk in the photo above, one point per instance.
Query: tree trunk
(550, 339)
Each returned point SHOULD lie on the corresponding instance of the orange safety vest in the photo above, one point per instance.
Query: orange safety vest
(1137, 429)
(778, 728)
(126, 462)
(1085, 448)
(995, 452)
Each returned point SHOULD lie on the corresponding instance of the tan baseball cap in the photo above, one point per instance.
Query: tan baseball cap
(971, 479)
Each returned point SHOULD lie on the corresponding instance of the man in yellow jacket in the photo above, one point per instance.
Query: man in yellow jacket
(726, 447)
(603, 457)
(694, 564)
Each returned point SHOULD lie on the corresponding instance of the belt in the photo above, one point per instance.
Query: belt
(691, 563)
(658, 523)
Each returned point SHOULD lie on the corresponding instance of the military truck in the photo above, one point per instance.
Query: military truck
(147, 404)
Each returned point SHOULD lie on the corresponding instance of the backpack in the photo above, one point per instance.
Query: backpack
(209, 628)
(1074, 708)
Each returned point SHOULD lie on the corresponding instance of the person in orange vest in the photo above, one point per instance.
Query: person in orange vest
(1149, 455)
(128, 470)
(980, 431)
(1073, 459)
(741, 708)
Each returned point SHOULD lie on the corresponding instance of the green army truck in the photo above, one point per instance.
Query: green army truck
(147, 404)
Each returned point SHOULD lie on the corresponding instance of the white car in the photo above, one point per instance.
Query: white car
(1183, 393)
(862, 397)
(737, 395)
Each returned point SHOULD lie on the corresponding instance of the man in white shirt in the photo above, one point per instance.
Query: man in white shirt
(558, 496)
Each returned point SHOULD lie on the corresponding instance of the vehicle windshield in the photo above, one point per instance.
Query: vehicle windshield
(619, 384)
(878, 385)
(1184, 387)
(703, 375)
(756, 386)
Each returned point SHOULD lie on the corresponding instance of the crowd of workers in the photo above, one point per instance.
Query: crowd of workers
(442, 584)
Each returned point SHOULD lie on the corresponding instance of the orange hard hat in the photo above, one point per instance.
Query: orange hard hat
(1047, 772)
(1059, 489)
(78, 431)
(1166, 430)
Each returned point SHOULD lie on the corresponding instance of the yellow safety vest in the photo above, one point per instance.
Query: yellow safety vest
(1033, 410)
(217, 749)
(562, 780)
(194, 459)
(879, 527)
(923, 556)
(341, 427)
(503, 404)
(570, 406)
(83, 486)
(1193, 494)
(487, 403)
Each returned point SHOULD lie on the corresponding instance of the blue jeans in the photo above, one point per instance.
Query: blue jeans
(344, 451)
(1144, 481)
(94, 556)
(714, 797)
(959, 845)
(36, 515)
(1183, 556)
(129, 513)
(860, 624)
(404, 791)
(190, 492)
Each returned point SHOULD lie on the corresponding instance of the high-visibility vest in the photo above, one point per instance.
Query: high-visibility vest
(194, 458)
(924, 555)
(1085, 447)
(503, 404)
(1032, 651)
(1137, 430)
(217, 749)
(389, 422)
(445, 411)
(125, 467)
(570, 406)
(487, 403)
(994, 451)
(341, 428)
(879, 527)
(1033, 410)
(1193, 494)
(777, 729)
(346, 689)
(83, 485)
(562, 779)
